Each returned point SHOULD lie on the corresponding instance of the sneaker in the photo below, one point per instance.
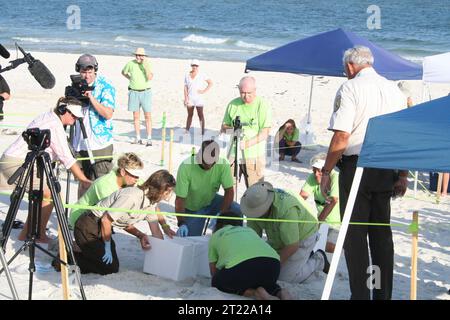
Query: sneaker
(149, 142)
(137, 140)
(326, 266)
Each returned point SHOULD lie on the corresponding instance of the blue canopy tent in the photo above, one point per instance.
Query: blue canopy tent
(322, 55)
(411, 139)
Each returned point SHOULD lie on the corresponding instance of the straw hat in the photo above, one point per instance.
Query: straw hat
(140, 51)
(257, 199)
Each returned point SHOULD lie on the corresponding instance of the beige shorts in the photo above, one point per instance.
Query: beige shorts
(9, 165)
(332, 235)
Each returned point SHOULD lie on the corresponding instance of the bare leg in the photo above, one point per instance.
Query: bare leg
(330, 247)
(190, 111)
(148, 123)
(47, 208)
(262, 294)
(137, 124)
(445, 178)
(283, 294)
(201, 118)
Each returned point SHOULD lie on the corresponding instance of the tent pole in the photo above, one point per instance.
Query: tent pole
(342, 233)
(439, 187)
(416, 177)
(415, 242)
(308, 137)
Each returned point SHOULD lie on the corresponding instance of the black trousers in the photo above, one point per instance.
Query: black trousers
(372, 205)
(249, 274)
(88, 237)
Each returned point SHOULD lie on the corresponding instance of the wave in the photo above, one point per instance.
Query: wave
(204, 40)
(59, 41)
(125, 39)
(247, 45)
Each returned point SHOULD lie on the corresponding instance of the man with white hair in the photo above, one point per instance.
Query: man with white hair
(365, 95)
(256, 119)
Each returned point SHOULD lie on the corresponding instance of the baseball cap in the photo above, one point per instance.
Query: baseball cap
(135, 172)
(318, 164)
(87, 60)
(194, 62)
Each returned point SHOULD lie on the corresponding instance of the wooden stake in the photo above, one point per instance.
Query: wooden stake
(163, 138)
(415, 242)
(170, 150)
(439, 187)
(64, 270)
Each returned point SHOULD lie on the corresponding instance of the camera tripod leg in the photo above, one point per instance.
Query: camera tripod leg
(8, 276)
(62, 219)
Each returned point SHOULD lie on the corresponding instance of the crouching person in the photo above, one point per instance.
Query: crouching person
(242, 263)
(93, 229)
(294, 241)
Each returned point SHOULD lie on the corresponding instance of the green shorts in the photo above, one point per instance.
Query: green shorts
(140, 99)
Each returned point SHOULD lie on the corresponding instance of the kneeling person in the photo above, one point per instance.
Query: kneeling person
(294, 241)
(93, 229)
(242, 263)
(199, 179)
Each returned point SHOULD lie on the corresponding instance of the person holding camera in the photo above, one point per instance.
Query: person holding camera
(139, 72)
(101, 102)
(256, 119)
(65, 113)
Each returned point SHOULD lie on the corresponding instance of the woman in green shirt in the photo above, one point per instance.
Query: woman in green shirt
(242, 263)
(287, 137)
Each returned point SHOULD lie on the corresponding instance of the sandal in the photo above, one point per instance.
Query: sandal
(296, 160)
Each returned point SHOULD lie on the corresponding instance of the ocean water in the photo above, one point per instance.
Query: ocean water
(229, 30)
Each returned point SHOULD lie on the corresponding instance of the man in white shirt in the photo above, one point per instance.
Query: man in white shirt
(365, 95)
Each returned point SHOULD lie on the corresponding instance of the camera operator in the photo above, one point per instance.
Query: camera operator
(256, 118)
(97, 120)
(66, 112)
(5, 94)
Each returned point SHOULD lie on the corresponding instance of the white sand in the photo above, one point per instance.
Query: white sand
(288, 95)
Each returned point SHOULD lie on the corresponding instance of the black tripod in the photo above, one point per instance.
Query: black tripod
(25, 174)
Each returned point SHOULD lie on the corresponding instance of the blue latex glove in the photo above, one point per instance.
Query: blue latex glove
(182, 231)
(107, 258)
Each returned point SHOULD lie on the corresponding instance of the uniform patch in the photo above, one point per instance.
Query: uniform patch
(337, 103)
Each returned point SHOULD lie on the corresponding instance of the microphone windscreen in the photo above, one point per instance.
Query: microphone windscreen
(42, 74)
(4, 52)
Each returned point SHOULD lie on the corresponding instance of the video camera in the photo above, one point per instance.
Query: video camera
(37, 139)
(78, 88)
(237, 124)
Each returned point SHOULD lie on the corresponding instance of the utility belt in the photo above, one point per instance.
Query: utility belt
(138, 90)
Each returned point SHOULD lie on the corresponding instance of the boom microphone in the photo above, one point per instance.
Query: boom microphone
(39, 71)
(4, 52)
(42, 75)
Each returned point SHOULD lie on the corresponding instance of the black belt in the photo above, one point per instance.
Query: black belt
(138, 90)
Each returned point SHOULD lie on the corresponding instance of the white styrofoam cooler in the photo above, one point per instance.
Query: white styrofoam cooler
(178, 258)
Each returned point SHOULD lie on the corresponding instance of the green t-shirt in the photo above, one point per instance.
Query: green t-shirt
(199, 186)
(287, 205)
(232, 245)
(258, 114)
(101, 188)
(291, 137)
(138, 77)
(312, 187)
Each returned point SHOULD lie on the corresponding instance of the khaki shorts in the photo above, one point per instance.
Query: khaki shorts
(7, 170)
(255, 170)
(332, 235)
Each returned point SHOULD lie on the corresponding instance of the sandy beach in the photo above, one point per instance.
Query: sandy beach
(288, 95)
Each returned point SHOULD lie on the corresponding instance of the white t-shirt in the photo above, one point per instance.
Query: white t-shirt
(193, 86)
(361, 98)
